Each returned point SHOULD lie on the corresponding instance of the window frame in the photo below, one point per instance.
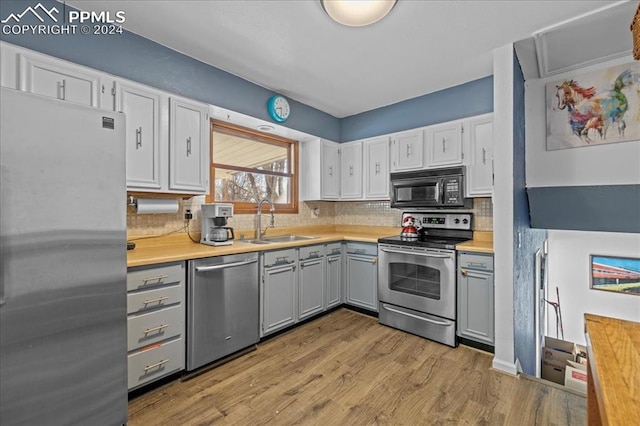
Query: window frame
(240, 207)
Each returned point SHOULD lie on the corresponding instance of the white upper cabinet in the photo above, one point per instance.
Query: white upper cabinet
(351, 170)
(143, 136)
(319, 170)
(376, 164)
(330, 177)
(480, 166)
(189, 146)
(59, 79)
(445, 144)
(407, 150)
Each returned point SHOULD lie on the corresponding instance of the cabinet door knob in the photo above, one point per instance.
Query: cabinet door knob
(463, 272)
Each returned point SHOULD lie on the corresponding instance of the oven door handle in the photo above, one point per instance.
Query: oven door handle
(415, 316)
(439, 256)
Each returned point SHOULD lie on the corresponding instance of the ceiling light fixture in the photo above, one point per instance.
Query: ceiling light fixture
(357, 13)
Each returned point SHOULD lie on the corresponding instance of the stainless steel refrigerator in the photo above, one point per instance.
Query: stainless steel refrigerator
(63, 353)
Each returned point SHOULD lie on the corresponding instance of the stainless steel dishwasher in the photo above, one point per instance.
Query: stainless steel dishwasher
(223, 307)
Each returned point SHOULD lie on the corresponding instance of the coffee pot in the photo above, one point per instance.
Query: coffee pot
(214, 221)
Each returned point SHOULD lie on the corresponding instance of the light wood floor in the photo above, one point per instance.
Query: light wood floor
(346, 369)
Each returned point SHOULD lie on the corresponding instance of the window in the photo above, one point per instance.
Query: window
(248, 165)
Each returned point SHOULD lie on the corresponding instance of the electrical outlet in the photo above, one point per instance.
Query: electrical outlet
(315, 213)
(188, 215)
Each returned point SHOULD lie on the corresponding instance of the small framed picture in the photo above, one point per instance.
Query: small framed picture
(617, 274)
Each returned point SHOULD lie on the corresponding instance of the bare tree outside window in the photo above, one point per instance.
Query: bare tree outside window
(247, 165)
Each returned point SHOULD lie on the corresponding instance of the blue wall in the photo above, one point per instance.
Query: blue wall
(136, 58)
(526, 241)
(465, 100)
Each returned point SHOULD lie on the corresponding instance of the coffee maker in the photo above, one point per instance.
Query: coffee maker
(214, 221)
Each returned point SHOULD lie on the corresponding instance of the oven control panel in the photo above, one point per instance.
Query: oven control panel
(439, 220)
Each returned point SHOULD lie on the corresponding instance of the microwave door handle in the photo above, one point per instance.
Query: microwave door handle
(439, 195)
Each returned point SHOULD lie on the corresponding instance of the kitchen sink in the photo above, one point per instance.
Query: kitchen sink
(287, 238)
(279, 239)
(256, 241)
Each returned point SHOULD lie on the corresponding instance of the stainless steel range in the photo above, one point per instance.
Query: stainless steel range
(417, 276)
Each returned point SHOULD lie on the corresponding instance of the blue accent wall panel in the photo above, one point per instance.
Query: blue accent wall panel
(526, 242)
(465, 100)
(136, 58)
(604, 208)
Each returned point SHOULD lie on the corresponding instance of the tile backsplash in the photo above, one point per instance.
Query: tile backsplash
(377, 213)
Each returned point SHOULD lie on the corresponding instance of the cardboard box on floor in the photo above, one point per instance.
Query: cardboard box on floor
(555, 355)
(575, 377)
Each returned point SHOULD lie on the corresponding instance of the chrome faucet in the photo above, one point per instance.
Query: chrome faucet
(259, 233)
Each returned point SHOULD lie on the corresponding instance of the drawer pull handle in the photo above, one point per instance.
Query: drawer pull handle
(158, 278)
(157, 364)
(154, 329)
(158, 300)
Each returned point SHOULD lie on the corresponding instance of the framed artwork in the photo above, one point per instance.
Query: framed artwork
(619, 274)
(594, 108)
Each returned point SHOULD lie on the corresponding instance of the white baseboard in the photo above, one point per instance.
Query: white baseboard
(507, 367)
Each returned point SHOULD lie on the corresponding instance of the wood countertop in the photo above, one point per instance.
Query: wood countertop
(178, 247)
(613, 388)
(482, 243)
(171, 248)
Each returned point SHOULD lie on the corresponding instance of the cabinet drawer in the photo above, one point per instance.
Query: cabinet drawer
(362, 248)
(475, 261)
(161, 297)
(334, 248)
(145, 329)
(146, 277)
(280, 257)
(311, 252)
(154, 362)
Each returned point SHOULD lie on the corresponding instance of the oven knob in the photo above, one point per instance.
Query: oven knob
(465, 221)
(456, 221)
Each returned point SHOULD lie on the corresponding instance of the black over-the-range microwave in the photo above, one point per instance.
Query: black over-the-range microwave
(436, 188)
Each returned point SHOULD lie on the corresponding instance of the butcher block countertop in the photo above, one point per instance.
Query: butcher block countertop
(482, 243)
(177, 247)
(171, 248)
(613, 383)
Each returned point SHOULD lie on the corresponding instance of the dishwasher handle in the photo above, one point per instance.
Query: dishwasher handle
(225, 265)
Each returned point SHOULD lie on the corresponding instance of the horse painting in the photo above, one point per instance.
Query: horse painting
(593, 116)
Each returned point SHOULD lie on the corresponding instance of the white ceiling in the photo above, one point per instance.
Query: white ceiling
(294, 48)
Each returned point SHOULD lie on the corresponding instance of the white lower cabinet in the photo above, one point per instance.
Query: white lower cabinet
(311, 281)
(333, 276)
(279, 290)
(476, 297)
(155, 322)
(362, 275)
(297, 284)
